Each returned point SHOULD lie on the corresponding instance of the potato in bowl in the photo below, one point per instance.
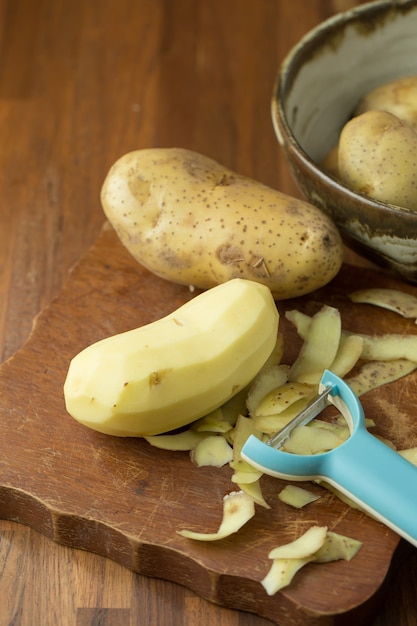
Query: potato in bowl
(318, 89)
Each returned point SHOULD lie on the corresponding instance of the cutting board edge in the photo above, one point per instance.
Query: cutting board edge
(65, 529)
(215, 595)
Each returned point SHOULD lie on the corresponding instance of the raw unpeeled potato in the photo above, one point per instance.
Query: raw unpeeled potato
(398, 97)
(378, 157)
(375, 154)
(192, 221)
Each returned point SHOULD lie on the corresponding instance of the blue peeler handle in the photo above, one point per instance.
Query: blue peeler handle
(369, 472)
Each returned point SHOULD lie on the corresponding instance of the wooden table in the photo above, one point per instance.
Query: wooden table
(81, 83)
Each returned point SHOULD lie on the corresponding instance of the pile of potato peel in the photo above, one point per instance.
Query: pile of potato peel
(278, 393)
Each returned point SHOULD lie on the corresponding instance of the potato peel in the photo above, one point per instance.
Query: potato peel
(348, 354)
(254, 491)
(245, 427)
(316, 545)
(319, 348)
(399, 302)
(238, 509)
(304, 546)
(264, 383)
(300, 320)
(281, 574)
(337, 547)
(273, 423)
(377, 373)
(212, 451)
(389, 347)
(297, 497)
(284, 396)
(184, 441)
(214, 422)
(246, 477)
(308, 440)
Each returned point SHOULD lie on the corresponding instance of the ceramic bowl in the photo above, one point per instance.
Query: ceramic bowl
(318, 87)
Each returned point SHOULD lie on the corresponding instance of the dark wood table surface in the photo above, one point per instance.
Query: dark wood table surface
(81, 83)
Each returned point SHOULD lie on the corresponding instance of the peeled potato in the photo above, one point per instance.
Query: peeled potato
(167, 374)
(377, 157)
(192, 221)
(398, 97)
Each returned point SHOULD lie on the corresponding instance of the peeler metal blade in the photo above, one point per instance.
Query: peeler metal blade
(304, 417)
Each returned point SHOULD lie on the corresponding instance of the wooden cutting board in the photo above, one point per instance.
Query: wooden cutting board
(124, 499)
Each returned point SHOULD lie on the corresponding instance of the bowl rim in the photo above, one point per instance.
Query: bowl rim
(284, 80)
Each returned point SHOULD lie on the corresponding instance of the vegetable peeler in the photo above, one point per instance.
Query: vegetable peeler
(369, 472)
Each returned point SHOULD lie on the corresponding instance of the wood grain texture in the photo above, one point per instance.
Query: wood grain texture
(80, 84)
